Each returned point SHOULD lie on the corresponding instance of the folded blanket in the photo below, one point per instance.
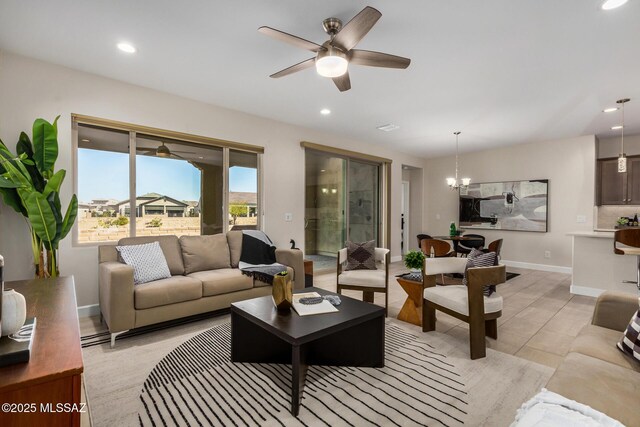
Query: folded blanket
(551, 409)
(258, 257)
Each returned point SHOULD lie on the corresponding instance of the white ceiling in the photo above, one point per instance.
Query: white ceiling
(501, 71)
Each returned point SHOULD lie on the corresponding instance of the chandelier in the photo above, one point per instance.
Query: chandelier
(453, 183)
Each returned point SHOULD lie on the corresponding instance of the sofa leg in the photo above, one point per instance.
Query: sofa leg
(428, 317)
(114, 335)
(491, 328)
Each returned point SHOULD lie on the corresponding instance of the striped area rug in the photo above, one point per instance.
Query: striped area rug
(197, 384)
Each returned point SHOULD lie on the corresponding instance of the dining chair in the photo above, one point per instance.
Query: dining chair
(467, 303)
(464, 246)
(495, 246)
(422, 236)
(440, 248)
(367, 281)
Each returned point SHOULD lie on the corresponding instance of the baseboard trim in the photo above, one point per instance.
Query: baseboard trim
(89, 310)
(542, 267)
(396, 258)
(585, 290)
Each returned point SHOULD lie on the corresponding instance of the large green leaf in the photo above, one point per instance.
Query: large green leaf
(7, 183)
(24, 148)
(11, 198)
(69, 217)
(45, 145)
(54, 183)
(56, 209)
(41, 217)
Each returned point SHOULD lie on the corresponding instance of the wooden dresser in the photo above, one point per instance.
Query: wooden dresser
(53, 374)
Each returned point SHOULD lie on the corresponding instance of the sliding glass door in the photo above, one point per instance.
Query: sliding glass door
(342, 202)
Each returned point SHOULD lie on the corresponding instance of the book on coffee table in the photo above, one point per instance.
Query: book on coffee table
(17, 347)
(309, 309)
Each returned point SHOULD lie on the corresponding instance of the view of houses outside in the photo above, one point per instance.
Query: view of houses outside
(169, 200)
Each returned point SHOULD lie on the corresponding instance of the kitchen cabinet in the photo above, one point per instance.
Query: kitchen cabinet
(615, 188)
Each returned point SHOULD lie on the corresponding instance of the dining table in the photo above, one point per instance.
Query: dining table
(459, 238)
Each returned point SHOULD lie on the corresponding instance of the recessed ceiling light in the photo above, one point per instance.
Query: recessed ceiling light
(85, 140)
(610, 110)
(322, 170)
(201, 157)
(388, 127)
(616, 127)
(612, 4)
(325, 111)
(126, 47)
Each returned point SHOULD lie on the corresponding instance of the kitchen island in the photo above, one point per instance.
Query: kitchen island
(596, 268)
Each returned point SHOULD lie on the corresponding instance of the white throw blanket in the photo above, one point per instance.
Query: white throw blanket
(548, 409)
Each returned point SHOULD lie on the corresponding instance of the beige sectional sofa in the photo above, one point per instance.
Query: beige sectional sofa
(595, 372)
(204, 277)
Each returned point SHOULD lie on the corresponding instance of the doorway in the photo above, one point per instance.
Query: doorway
(342, 202)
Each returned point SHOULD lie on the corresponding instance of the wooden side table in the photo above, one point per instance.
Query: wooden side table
(53, 374)
(411, 311)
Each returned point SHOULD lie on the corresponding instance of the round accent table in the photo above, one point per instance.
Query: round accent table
(411, 311)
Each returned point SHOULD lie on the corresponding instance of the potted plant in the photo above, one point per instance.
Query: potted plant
(31, 186)
(414, 260)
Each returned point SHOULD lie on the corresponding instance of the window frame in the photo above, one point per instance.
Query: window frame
(133, 130)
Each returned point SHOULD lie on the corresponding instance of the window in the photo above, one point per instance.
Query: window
(143, 184)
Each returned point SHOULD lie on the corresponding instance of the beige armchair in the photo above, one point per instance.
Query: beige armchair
(367, 281)
(466, 303)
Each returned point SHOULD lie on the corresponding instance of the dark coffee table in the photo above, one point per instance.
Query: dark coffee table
(354, 336)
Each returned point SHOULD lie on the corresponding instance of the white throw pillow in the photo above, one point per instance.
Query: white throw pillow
(147, 260)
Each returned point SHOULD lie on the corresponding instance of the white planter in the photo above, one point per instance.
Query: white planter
(14, 312)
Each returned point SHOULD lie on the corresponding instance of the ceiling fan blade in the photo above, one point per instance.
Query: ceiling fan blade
(290, 38)
(356, 29)
(377, 59)
(343, 82)
(307, 63)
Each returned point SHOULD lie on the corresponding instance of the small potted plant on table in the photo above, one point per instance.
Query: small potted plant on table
(414, 260)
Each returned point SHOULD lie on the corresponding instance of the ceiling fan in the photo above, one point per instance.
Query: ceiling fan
(334, 56)
(163, 151)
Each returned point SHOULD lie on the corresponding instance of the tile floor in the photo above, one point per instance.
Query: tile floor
(539, 321)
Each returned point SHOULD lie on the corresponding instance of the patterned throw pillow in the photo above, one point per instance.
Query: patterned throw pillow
(630, 342)
(480, 259)
(361, 256)
(147, 260)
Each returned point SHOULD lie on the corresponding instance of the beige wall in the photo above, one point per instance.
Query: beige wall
(568, 164)
(31, 89)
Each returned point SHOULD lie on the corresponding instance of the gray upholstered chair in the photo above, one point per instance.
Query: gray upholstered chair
(367, 281)
(466, 303)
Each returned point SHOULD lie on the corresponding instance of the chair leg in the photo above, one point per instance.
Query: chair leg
(386, 304)
(477, 343)
(367, 296)
(428, 317)
(491, 328)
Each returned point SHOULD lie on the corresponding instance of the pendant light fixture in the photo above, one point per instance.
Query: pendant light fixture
(453, 183)
(622, 159)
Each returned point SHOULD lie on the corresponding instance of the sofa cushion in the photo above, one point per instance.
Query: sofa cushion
(234, 238)
(602, 385)
(222, 281)
(147, 260)
(167, 291)
(599, 342)
(259, 283)
(202, 253)
(170, 248)
(456, 298)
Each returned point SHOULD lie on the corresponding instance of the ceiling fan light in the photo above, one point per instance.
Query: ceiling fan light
(612, 4)
(331, 62)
